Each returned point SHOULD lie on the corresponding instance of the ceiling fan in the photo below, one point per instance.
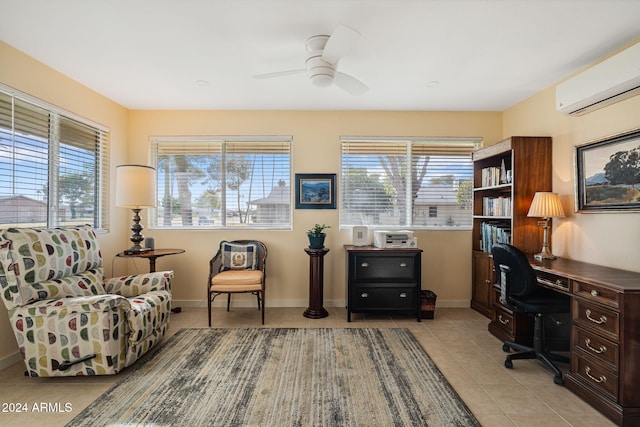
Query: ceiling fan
(321, 65)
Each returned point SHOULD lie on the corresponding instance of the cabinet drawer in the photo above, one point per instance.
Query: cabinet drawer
(596, 293)
(603, 321)
(600, 348)
(599, 377)
(504, 319)
(384, 298)
(385, 268)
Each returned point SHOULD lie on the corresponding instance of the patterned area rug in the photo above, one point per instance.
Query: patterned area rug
(283, 377)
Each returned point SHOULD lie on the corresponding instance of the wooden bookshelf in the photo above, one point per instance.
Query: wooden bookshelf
(527, 164)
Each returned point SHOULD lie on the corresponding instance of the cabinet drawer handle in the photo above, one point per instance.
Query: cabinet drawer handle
(600, 350)
(602, 378)
(594, 293)
(364, 264)
(403, 295)
(559, 282)
(364, 295)
(603, 318)
(487, 281)
(403, 264)
(503, 320)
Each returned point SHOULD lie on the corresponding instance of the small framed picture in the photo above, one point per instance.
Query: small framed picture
(315, 191)
(608, 174)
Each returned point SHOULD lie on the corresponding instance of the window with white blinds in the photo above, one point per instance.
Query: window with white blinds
(223, 182)
(54, 166)
(407, 182)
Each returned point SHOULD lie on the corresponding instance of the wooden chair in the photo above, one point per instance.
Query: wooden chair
(237, 281)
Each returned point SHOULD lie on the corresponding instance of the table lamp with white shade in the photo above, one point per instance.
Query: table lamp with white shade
(545, 205)
(136, 189)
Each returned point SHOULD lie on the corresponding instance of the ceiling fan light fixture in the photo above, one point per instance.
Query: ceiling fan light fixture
(321, 80)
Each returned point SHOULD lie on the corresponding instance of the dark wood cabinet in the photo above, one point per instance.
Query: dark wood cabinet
(506, 176)
(381, 280)
(483, 280)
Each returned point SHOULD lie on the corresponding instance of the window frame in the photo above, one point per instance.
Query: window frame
(447, 146)
(62, 123)
(225, 142)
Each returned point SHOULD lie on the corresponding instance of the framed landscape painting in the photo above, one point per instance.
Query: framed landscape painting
(315, 191)
(608, 174)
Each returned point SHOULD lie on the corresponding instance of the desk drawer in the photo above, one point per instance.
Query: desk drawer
(602, 349)
(368, 268)
(384, 298)
(601, 378)
(553, 281)
(596, 293)
(601, 320)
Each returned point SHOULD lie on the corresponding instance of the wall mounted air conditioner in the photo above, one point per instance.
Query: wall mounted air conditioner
(612, 80)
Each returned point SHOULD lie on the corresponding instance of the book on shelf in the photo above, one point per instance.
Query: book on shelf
(494, 175)
(490, 176)
(492, 233)
(496, 206)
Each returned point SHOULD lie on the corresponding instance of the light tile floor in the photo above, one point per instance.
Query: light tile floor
(456, 339)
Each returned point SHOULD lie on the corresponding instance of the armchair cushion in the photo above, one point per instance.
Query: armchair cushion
(30, 256)
(236, 256)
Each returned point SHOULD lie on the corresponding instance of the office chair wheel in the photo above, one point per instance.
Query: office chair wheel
(508, 364)
(506, 348)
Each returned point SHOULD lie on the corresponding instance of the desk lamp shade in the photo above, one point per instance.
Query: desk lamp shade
(545, 205)
(135, 189)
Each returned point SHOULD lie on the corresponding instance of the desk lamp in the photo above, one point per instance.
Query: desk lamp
(545, 205)
(135, 189)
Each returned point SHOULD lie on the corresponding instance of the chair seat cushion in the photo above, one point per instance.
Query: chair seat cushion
(543, 301)
(237, 281)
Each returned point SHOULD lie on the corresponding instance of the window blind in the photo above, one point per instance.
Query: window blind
(53, 165)
(417, 182)
(223, 182)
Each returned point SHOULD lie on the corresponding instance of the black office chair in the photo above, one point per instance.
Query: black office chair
(519, 291)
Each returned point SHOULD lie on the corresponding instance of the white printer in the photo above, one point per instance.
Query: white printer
(394, 239)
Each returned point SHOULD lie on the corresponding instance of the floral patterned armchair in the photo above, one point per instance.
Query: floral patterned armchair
(66, 318)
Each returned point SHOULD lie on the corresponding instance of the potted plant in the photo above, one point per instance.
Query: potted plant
(316, 236)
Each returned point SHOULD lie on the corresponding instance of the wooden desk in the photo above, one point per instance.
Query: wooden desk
(605, 333)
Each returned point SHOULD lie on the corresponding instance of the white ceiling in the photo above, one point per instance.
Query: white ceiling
(487, 55)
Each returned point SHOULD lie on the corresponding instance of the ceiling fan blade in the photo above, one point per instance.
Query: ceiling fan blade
(350, 84)
(340, 42)
(279, 74)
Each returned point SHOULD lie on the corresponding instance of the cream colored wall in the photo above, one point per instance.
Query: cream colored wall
(610, 239)
(32, 77)
(446, 258)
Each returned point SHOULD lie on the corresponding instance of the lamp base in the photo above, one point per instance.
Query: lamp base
(543, 256)
(134, 250)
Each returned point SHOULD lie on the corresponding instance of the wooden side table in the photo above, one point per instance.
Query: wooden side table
(152, 256)
(316, 277)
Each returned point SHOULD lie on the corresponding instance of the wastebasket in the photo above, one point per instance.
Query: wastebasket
(427, 304)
